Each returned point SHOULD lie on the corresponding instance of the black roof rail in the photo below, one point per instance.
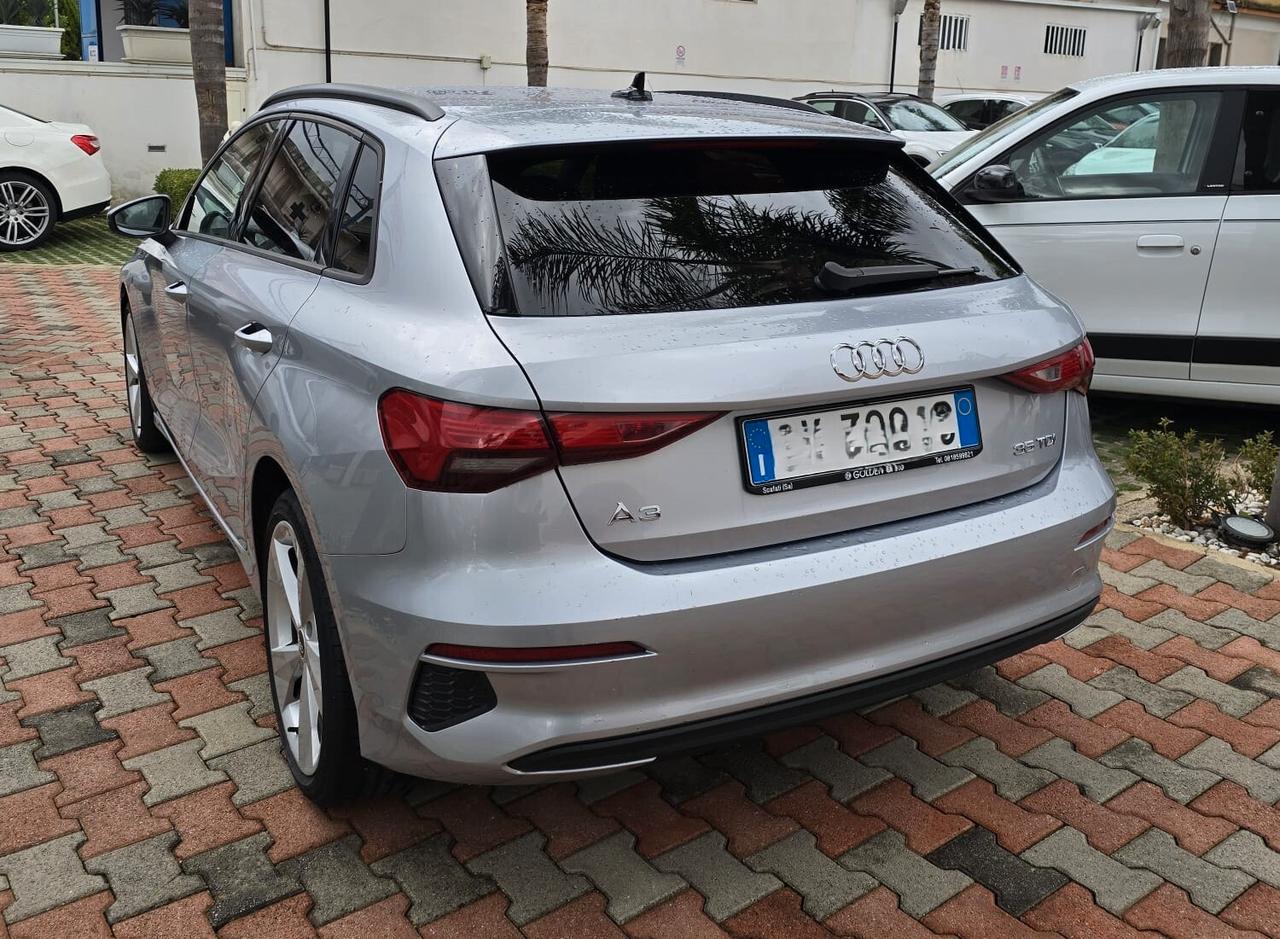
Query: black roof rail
(749, 98)
(403, 101)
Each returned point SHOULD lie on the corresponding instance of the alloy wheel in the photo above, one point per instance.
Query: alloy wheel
(24, 213)
(294, 644)
(132, 377)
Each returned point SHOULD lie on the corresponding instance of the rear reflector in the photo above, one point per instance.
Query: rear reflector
(1072, 369)
(1098, 529)
(445, 446)
(516, 655)
(86, 142)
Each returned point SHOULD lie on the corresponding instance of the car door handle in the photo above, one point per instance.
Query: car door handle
(1158, 242)
(176, 289)
(254, 336)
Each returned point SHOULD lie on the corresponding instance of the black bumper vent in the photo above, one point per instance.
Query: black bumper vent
(443, 697)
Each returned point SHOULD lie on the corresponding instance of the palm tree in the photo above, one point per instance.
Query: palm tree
(1188, 42)
(535, 53)
(209, 69)
(930, 24)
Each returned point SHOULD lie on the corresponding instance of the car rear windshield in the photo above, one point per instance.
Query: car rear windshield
(695, 225)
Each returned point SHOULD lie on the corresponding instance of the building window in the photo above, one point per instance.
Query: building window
(953, 33)
(1064, 40)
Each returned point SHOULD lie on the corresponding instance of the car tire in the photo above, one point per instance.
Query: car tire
(314, 706)
(142, 413)
(28, 211)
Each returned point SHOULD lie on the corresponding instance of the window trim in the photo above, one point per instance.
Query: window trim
(332, 235)
(1215, 175)
(183, 215)
(1235, 185)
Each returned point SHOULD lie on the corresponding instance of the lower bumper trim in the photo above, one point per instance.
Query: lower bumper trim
(710, 732)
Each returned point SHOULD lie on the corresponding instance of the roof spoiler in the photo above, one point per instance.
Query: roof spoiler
(749, 98)
(389, 98)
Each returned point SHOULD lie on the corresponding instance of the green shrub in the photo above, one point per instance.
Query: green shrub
(176, 184)
(1180, 470)
(1257, 459)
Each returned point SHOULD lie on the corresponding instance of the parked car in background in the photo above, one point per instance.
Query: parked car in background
(928, 130)
(978, 110)
(1150, 202)
(565, 431)
(50, 172)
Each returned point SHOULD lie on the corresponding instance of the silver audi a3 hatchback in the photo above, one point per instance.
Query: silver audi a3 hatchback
(566, 431)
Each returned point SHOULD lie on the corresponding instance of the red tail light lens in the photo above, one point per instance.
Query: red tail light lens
(451, 447)
(87, 142)
(1072, 369)
(591, 438)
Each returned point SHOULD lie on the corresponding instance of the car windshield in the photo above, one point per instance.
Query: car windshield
(999, 131)
(919, 116)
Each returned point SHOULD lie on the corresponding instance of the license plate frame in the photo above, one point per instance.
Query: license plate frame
(968, 423)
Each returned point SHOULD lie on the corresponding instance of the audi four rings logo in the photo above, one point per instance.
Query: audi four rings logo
(884, 358)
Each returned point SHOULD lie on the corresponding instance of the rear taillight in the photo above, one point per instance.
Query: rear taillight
(86, 142)
(1070, 370)
(451, 447)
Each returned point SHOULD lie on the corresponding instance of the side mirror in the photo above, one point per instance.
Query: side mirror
(997, 183)
(147, 217)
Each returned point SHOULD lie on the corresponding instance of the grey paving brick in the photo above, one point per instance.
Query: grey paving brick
(928, 778)
(257, 688)
(98, 555)
(763, 776)
(33, 657)
(1238, 576)
(1126, 583)
(1156, 699)
(157, 554)
(18, 770)
(683, 777)
(81, 628)
(630, 884)
(123, 517)
(163, 499)
(16, 598)
(1245, 851)
(728, 885)
(941, 699)
(78, 536)
(240, 878)
(432, 879)
(1217, 756)
(218, 628)
(174, 771)
(124, 692)
(20, 515)
(1209, 886)
(175, 658)
(249, 599)
(143, 876)
(920, 885)
(1115, 887)
(1188, 582)
(1010, 699)
(1098, 782)
(846, 777)
(211, 555)
(594, 788)
(227, 729)
(1144, 635)
(1013, 780)
(258, 771)
(134, 600)
(1017, 885)
(823, 885)
(528, 877)
(1240, 622)
(1211, 637)
(1179, 782)
(1086, 700)
(46, 876)
(337, 879)
(1234, 701)
(1085, 635)
(68, 729)
(1259, 679)
(45, 554)
(1270, 757)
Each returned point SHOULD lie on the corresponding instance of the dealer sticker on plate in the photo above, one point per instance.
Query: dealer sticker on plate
(810, 448)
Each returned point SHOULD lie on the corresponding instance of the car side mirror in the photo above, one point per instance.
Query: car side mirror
(147, 217)
(997, 183)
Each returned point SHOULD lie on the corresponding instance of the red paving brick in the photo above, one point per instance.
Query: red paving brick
(484, 919)
(1010, 736)
(1232, 801)
(89, 771)
(1258, 908)
(183, 919)
(1168, 910)
(876, 915)
(1015, 828)
(1148, 665)
(1089, 737)
(568, 824)
(384, 920)
(1169, 740)
(1248, 739)
(105, 657)
(285, 919)
(1258, 607)
(835, 828)
(1221, 664)
(747, 827)
(474, 820)
(584, 916)
(114, 818)
(81, 919)
(924, 827)
(199, 692)
(1131, 607)
(1072, 912)
(31, 817)
(932, 735)
(146, 730)
(972, 914)
(1194, 832)
(778, 914)
(657, 826)
(386, 825)
(855, 734)
(295, 824)
(206, 819)
(50, 691)
(1175, 599)
(1148, 547)
(1106, 830)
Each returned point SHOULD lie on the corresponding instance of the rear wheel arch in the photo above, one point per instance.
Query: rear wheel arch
(269, 481)
(44, 181)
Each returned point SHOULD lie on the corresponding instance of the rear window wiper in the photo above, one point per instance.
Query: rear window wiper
(836, 278)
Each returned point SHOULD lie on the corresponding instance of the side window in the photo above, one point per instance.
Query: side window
(967, 111)
(1155, 147)
(826, 107)
(357, 223)
(862, 113)
(213, 206)
(1258, 168)
(1002, 109)
(290, 212)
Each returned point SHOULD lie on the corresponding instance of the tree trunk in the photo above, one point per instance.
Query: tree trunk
(535, 53)
(209, 68)
(930, 24)
(1187, 45)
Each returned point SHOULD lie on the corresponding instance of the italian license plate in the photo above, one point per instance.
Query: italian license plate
(809, 448)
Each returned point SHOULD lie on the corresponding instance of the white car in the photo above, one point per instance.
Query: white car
(49, 172)
(928, 130)
(1150, 202)
(978, 110)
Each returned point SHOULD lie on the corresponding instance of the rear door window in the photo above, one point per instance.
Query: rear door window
(690, 225)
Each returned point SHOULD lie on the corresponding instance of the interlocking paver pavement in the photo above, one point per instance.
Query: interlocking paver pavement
(1124, 778)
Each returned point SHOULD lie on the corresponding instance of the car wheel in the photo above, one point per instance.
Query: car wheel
(26, 212)
(142, 413)
(315, 711)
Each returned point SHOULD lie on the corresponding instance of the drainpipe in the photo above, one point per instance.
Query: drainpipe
(328, 46)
